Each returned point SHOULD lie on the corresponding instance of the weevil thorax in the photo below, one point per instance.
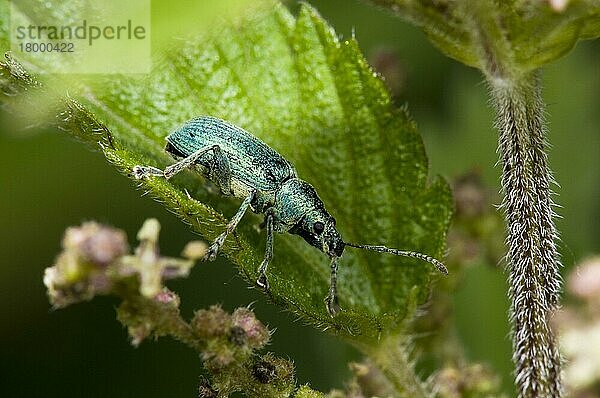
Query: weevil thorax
(300, 211)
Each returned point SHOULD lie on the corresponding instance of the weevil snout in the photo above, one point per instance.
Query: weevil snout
(333, 244)
(337, 248)
(320, 233)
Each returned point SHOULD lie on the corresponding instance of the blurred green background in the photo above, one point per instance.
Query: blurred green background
(50, 182)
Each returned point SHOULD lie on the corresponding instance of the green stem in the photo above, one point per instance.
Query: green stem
(533, 261)
(392, 356)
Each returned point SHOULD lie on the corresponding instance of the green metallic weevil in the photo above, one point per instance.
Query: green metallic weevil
(244, 167)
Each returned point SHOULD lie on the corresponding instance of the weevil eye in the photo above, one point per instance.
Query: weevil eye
(318, 227)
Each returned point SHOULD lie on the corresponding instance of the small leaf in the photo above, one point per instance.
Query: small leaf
(292, 83)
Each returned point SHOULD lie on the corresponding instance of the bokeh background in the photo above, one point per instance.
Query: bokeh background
(49, 182)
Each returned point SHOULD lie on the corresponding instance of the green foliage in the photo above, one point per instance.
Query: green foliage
(509, 41)
(291, 82)
(527, 34)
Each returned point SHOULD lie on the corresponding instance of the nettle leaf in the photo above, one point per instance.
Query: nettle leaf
(536, 32)
(294, 84)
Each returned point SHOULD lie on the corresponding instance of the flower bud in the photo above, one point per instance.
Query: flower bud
(211, 323)
(256, 333)
(96, 243)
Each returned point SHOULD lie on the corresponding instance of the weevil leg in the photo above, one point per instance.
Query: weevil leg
(331, 301)
(213, 249)
(140, 172)
(175, 168)
(262, 275)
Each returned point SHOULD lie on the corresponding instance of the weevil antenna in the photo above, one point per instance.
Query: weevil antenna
(404, 253)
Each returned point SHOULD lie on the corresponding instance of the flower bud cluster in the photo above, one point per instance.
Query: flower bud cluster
(229, 337)
(473, 380)
(95, 260)
(80, 270)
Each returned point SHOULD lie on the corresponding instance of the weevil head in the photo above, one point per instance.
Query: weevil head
(319, 230)
(300, 207)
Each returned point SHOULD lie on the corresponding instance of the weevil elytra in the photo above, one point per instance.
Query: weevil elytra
(243, 166)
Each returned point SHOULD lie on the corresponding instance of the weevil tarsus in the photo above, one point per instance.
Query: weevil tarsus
(141, 172)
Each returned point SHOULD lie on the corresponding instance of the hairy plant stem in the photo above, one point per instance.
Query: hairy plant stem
(392, 356)
(533, 261)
